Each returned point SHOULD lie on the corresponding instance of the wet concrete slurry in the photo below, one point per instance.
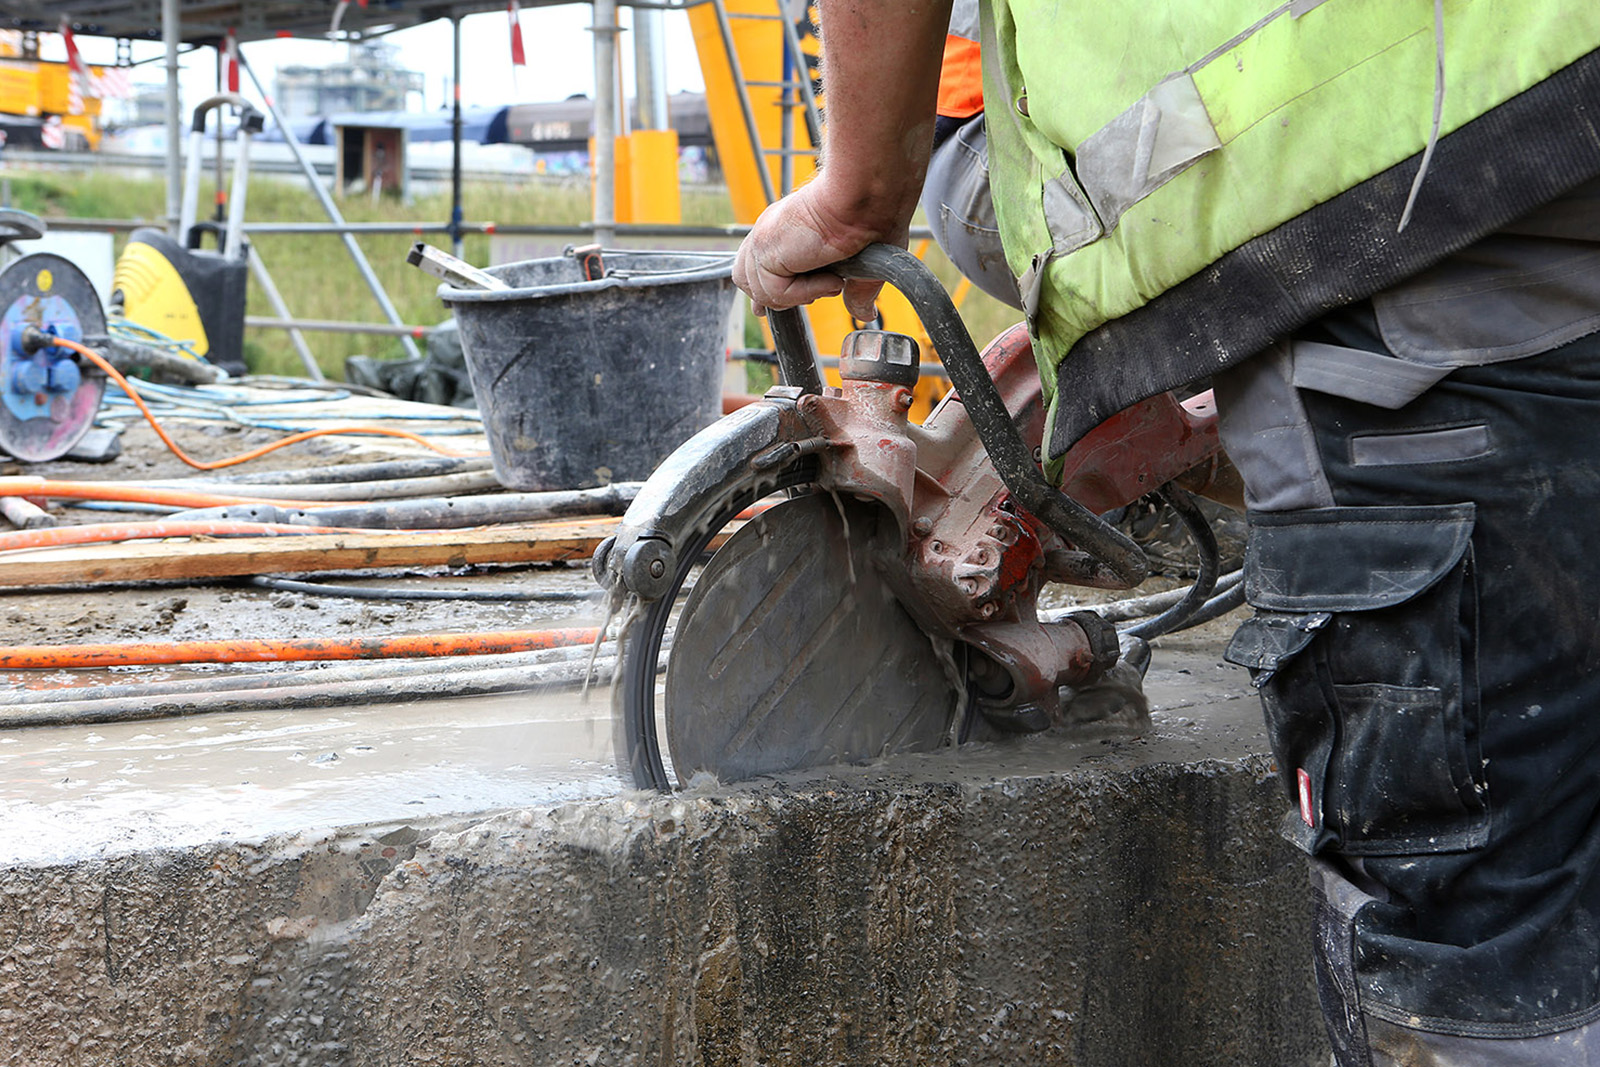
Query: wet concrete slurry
(70, 792)
(79, 792)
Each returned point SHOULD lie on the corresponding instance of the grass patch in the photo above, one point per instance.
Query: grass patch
(318, 280)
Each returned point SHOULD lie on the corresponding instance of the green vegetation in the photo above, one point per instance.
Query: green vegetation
(318, 280)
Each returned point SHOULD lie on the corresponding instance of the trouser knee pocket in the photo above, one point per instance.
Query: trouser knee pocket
(1362, 647)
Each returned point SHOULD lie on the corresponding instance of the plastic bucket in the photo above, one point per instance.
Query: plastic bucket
(583, 383)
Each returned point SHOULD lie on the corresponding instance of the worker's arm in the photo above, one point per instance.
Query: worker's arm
(880, 68)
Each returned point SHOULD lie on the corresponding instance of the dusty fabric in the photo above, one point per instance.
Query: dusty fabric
(1445, 736)
(960, 210)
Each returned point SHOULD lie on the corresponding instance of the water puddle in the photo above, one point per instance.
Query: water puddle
(72, 792)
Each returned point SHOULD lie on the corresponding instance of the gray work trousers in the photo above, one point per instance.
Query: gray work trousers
(1426, 576)
(960, 211)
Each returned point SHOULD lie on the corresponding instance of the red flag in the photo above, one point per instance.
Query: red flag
(230, 61)
(519, 58)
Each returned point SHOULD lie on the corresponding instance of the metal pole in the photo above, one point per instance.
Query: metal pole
(786, 107)
(275, 298)
(171, 35)
(218, 211)
(332, 209)
(605, 130)
(455, 140)
(791, 40)
(752, 131)
(649, 71)
(379, 329)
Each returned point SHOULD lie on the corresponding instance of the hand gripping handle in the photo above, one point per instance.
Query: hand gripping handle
(1012, 458)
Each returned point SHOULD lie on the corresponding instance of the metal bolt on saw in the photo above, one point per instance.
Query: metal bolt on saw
(889, 600)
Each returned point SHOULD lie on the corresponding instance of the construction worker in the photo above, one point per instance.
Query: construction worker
(1377, 228)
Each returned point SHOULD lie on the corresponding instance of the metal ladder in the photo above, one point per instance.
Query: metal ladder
(796, 92)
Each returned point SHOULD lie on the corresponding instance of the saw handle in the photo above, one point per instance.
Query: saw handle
(797, 356)
(1013, 459)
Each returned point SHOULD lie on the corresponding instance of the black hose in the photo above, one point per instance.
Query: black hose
(386, 470)
(372, 592)
(440, 513)
(1228, 595)
(459, 483)
(289, 697)
(1112, 550)
(1180, 615)
(797, 359)
(337, 674)
(1217, 606)
(1142, 607)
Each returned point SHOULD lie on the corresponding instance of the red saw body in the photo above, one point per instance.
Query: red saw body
(892, 602)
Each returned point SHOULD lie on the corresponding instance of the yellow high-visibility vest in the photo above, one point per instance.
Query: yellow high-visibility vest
(1178, 182)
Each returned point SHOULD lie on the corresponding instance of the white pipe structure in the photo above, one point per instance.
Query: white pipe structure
(605, 124)
(649, 70)
(171, 35)
(332, 210)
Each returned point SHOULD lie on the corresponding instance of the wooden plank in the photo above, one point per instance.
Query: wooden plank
(544, 542)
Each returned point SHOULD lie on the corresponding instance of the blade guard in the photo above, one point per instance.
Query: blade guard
(744, 453)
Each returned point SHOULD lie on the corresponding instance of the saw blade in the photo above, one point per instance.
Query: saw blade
(792, 651)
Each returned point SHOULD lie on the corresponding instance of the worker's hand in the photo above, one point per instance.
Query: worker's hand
(782, 263)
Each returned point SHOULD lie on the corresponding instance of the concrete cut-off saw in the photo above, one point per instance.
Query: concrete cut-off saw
(888, 600)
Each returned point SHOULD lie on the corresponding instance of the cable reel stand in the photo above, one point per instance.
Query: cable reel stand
(48, 397)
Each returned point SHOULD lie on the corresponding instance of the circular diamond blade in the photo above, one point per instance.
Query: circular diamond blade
(792, 652)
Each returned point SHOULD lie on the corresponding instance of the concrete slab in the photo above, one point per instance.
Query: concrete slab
(1094, 902)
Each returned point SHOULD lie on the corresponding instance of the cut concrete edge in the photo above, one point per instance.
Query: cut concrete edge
(687, 927)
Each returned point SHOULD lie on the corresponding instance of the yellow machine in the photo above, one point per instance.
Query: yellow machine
(180, 290)
(34, 88)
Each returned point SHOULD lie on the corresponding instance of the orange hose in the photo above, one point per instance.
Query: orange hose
(100, 532)
(410, 646)
(23, 485)
(210, 465)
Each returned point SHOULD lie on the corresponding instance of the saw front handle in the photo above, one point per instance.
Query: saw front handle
(1012, 458)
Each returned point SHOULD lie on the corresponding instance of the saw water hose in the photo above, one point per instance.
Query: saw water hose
(472, 682)
(26, 486)
(104, 532)
(1179, 616)
(34, 339)
(151, 653)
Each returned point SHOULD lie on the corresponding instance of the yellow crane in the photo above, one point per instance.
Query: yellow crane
(759, 59)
